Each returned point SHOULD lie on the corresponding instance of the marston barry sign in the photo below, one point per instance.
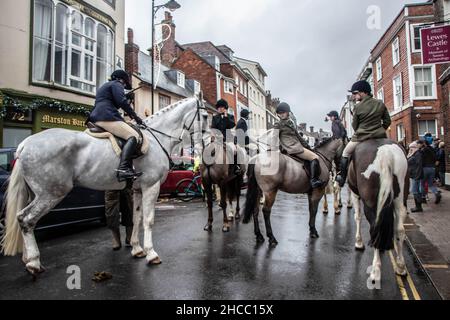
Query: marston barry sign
(435, 45)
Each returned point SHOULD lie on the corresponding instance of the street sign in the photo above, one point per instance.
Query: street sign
(435, 45)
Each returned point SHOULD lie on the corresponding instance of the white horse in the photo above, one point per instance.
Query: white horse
(49, 164)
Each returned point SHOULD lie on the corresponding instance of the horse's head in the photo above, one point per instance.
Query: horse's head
(195, 122)
(331, 149)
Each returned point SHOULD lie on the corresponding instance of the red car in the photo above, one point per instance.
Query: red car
(183, 170)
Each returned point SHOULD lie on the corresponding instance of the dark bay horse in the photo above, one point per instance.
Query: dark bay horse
(272, 171)
(379, 183)
(217, 159)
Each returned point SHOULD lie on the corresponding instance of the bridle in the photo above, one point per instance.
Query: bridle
(180, 138)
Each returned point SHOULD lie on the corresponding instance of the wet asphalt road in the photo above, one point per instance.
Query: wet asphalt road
(201, 265)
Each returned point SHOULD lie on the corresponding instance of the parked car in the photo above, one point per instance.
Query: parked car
(182, 170)
(80, 205)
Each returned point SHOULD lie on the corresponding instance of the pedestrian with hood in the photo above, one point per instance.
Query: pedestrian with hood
(415, 170)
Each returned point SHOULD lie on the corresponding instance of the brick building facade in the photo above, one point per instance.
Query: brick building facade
(409, 89)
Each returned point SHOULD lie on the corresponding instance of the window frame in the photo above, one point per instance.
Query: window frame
(379, 68)
(396, 106)
(413, 38)
(381, 91)
(436, 135)
(433, 96)
(69, 47)
(400, 129)
(112, 4)
(395, 49)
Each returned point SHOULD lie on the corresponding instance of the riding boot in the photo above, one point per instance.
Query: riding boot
(418, 202)
(117, 245)
(126, 170)
(128, 233)
(315, 174)
(342, 176)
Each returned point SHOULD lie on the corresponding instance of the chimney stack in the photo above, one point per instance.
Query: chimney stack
(131, 54)
(169, 51)
(311, 129)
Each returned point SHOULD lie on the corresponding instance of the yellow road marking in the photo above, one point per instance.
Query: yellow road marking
(435, 266)
(399, 280)
(413, 287)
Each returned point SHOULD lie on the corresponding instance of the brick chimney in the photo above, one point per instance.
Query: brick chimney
(302, 127)
(311, 129)
(169, 50)
(131, 54)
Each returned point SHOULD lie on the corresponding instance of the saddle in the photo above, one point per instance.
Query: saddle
(118, 143)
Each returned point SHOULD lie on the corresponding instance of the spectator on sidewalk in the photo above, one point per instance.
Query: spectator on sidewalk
(119, 209)
(429, 163)
(415, 170)
(441, 163)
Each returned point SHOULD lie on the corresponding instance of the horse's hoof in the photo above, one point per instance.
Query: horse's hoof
(325, 211)
(338, 212)
(314, 234)
(226, 229)
(139, 255)
(360, 248)
(208, 228)
(349, 207)
(340, 205)
(238, 216)
(260, 239)
(34, 272)
(273, 243)
(155, 262)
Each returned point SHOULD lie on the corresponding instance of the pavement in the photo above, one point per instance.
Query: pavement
(429, 236)
(217, 266)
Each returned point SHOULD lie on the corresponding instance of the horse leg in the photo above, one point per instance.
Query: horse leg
(349, 201)
(375, 273)
(231, 213)
(238, 208)
(400, 213)
(313, 201)
(150, 196)
(337, 199)
(209, 199)
(258, 234)
(223, 204)
(137, 251)
(325, 204)
(267, 209)
(28, 218)
(359, 244)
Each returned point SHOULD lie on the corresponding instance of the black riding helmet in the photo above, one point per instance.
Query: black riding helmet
(361, 86)
(122, 75)
(333, 114)
(283, 107)
(222, 104)
(245, 113)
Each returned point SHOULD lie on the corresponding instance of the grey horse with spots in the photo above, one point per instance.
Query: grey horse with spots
(272, 171)
(50, 164)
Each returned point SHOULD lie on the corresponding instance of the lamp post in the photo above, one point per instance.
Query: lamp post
(172, 5)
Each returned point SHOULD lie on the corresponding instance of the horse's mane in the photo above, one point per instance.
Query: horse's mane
(168, 108)
(323, 143)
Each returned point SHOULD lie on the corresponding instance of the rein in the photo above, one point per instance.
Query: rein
(152, 132)
(328, 163)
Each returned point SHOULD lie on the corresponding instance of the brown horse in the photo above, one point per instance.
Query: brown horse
(217, 160)
(379, 181)
(272, 171)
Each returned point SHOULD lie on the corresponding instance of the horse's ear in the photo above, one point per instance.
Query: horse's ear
(200, 95)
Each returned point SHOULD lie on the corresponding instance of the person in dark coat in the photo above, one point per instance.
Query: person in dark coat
(293, 144)
(429, 163)
(109, 99)
(337, 128)
(441, 162)
(371, 119)
(415, 171)
(242, 128)
(222, 121)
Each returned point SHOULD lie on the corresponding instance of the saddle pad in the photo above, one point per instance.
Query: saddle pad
(106, 135)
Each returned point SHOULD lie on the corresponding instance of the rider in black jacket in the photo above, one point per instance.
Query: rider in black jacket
(110, 98)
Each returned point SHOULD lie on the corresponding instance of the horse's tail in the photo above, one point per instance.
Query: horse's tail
(17, 197)
(382, 233)
(253, 195)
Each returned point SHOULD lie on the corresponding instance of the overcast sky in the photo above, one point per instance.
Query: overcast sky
(312, 50)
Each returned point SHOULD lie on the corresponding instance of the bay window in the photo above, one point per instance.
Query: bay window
(70, 48)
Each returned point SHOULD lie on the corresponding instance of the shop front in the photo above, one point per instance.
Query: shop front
(22, 115)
